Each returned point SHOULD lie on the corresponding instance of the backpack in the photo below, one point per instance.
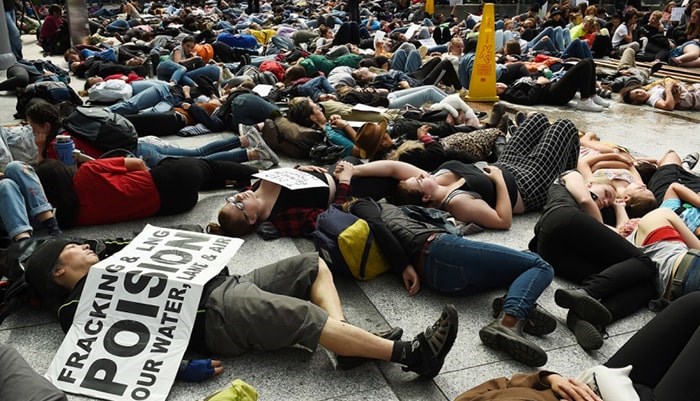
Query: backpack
(52, 91)
(274, 67)
(259, 77)
(238, 40)
(110, 92)
(101, 128)
(346, 244)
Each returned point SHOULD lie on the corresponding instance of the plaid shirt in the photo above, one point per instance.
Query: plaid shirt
(301, 221)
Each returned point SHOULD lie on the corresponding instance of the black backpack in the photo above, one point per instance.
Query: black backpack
(103, 129)
(51, 91)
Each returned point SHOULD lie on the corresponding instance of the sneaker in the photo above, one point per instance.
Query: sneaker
(691, 160)
(497, 112)
(431, 346)
(584, 305)
(252, 133)
(600, 101)
(588, 105)
(587, 335)
(520, 118)
(511, 340)
(538, 323)
(351, 362)
(267, 154)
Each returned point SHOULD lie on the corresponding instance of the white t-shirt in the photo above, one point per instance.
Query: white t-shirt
(619, 35)
(656, 93)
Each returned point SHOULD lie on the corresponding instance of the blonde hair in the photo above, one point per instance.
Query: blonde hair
(406, 147)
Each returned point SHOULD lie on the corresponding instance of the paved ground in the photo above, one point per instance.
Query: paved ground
(296, 374)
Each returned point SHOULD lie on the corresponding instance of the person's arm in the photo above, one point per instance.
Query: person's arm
(469, 210)
(576, 185)
(134, 164)
(621, 217)
(669, 100)
(679, 191)
(388, 168)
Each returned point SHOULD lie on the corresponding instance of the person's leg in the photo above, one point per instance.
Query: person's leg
(464, 70)
(143, 100)
(13, 213)
(157, 124)
(578, 246)
(250, 109)
(18, 381)
(170, 71)
(213, 123)
(398, 60)
(143, 84)
(17, 77)
(544, 44)
(413, 61)
(416, 97)
(546, 32)
(556, 151)
(14, 34)
(211, 71)
(576, 79)
(445, 73)
(670, 373)
(32, 192)
(526, 137)
(179, 180)
(690, 56)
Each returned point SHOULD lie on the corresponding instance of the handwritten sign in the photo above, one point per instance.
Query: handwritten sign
(136, 313)
(291, 178)
(677, 13)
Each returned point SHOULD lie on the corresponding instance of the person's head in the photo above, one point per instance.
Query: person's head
(304, 111)
(616, 19)
(405, 149)
(602, 191)
(238, 216)
(555, 13)
(456, 46)
(646, 170)
(188, 43)
(692, 6)
(501, 88)
(417, 190)
(362, 75)
(325, 32)
(529, 23)
(512, 47)
(44, 119)
(630, 16)
(694, 19)
(534, 9)
(71, 56)
(655, 16)
(55, 10)
(470, 45)
(591, 10)
(293, 73)
(397, 37)
(92, 81)
(57, 265)
(634, 94)
(588, 23)
(639, 199)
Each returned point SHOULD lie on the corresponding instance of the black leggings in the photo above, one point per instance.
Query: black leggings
(17, 77)
(158, 124)
(349, 32)
(513, 72)
(665, 352)
(610, 268)
(580, 78)
(179, 180)
(437, 70)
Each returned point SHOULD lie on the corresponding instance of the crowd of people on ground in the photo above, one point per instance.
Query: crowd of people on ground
(373, 96)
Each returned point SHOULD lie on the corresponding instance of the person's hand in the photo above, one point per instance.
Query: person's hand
(571, 389)
(344, 171)
(494, 173)
(542, 80)
(411, 281)
(423, 130)
(185, 106)
(310, 169)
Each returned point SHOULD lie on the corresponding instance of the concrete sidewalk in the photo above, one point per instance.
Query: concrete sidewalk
(297, 374)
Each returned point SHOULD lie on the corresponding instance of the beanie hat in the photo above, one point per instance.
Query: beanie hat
(41, 264)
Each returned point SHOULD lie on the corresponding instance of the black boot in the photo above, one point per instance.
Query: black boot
(512, 341)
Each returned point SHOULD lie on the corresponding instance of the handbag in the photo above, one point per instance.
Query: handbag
(326, 152)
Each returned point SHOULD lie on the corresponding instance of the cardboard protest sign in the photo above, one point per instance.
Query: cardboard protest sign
(677, 14)
(290, 178)
(136, 313)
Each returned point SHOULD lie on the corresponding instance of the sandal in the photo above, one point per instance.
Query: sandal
(239, 391)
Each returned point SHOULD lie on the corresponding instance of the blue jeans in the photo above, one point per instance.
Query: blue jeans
(406, 61)
(13, 32)
(142, 85)
(156, 99)
(415, 96)
(578, 49)
(20, 192)
(315, 87)
(457, 266)
(250, 109)
(118, 25)
(223, 150)
(464, 70)
(170, 71)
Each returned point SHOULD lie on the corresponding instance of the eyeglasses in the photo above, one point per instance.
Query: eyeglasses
(239, 205)
(594, 195)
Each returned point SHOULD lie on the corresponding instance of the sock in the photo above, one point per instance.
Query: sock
(51, 225)
(403, 353)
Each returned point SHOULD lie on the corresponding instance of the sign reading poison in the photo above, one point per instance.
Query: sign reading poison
(136, 314)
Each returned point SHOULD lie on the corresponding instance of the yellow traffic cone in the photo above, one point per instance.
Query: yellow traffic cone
(429, 7)
(482, 87)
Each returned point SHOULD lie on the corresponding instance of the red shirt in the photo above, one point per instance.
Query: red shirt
(108, 193)
(49, 27)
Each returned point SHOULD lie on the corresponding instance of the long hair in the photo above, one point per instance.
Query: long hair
(57, 180)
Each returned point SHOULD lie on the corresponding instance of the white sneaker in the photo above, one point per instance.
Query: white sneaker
(600, 101)
(267, 154)
(250, 132)
(588, 105)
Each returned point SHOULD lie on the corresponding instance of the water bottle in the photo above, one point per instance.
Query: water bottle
(64, 149)
(547, 73)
